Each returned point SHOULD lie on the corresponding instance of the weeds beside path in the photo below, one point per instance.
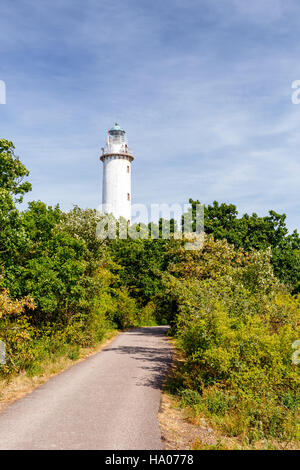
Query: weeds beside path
(186, 427)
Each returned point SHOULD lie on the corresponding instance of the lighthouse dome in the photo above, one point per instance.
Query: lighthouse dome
(116, 129)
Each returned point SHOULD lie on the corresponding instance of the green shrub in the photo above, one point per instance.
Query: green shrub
(236, 331)
(126, 312)
(190, 397)
(16, 333)
(218, 402)
(34, 369)
(147, 315)
(73, 352)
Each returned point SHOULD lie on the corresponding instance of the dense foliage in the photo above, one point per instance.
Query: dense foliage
(233, 305)
(246, 232)
(57, 261)
(236, 323)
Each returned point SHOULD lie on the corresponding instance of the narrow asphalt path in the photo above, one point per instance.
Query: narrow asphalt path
(108, 401)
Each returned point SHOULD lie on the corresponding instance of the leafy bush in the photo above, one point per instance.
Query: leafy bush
(147, 315)
(236, 324)
(15, 332)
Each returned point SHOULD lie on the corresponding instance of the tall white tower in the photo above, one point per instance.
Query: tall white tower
(117, 158)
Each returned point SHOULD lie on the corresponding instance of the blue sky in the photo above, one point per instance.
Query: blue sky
(202, 87)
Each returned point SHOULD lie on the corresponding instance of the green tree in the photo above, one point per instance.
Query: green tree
(252, 231)
(13, 238)
(12, 172)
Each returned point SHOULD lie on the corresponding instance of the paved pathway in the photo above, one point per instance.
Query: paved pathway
(108, 401)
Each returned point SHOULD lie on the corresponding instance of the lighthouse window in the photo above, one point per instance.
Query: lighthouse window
(128, 197)
(127, 168)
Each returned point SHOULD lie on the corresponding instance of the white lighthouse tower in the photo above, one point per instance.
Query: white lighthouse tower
(117, 158)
